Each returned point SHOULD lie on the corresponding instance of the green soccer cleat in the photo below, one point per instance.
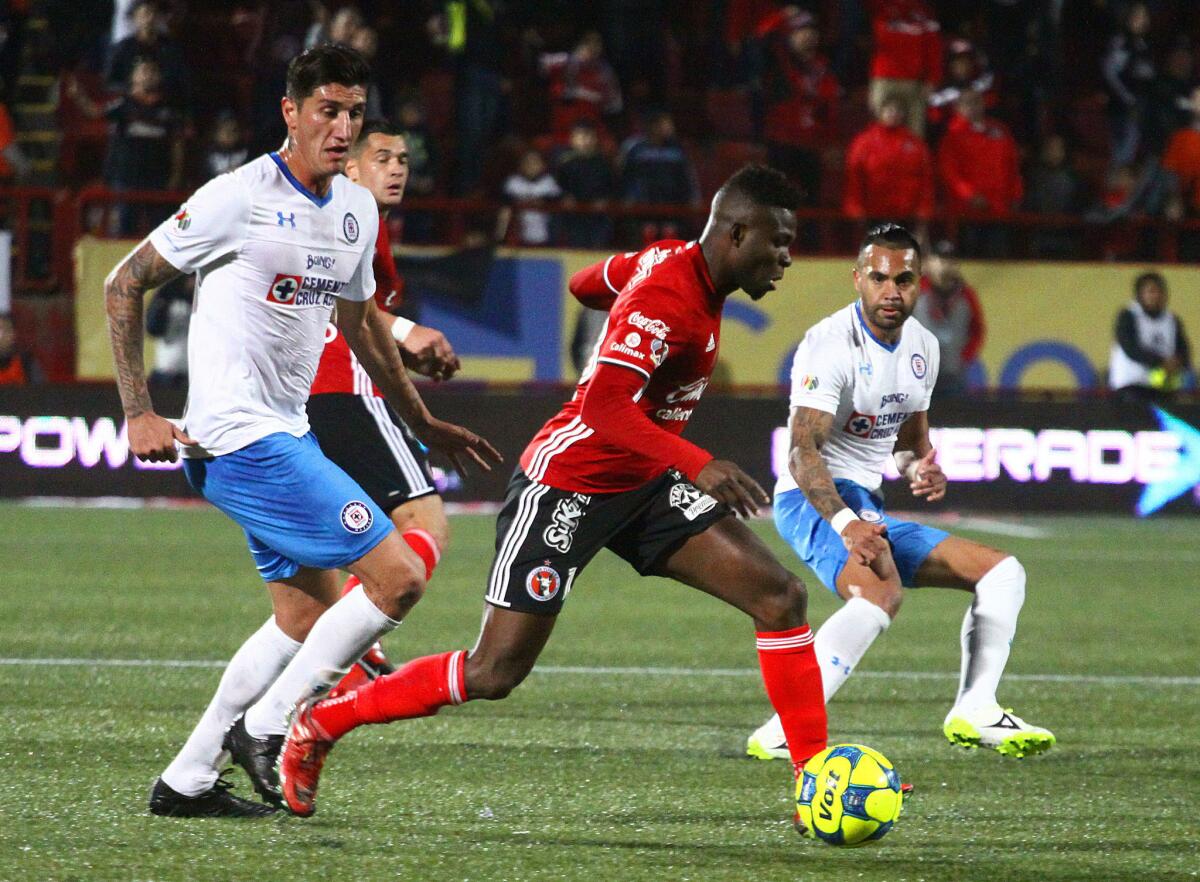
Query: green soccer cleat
(768, 742)
(999, 729)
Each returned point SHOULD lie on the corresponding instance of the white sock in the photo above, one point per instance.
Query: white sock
(840, 645)
(338, 639)
(987, 633)
(845, 638)
(251, 670)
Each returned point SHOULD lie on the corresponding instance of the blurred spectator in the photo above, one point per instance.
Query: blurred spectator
(907, 56)
(889, 170)
(1054, 188)
(1183, 156)
(979, 173)
(635, 33)
(419, 226)
(586, 178)
(167, 319)
(1128, 74)
(1142, 190)
(145, 145)
(1170, 106)
(149, 41)
(470, 32)
(583, 85)
(227, 149)
(366, 41)
(801, 97)
(338, 28)
(1150, 355)
(16, 368)
(966, 70)
(654, 167)
(950, 309)
(13, 162)
(532, 183)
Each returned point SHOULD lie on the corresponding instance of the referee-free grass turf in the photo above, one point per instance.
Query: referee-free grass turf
(621, 758)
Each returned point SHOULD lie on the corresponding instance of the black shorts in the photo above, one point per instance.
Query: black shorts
(373, 446)
(546, 536)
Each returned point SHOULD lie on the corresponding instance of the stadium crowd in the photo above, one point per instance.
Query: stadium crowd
(1079, 107)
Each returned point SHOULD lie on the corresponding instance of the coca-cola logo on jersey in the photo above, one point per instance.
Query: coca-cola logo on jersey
(654, 327)
(690, 392)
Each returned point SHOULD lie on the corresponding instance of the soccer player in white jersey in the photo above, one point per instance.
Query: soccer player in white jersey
(275, 245)
(861, 385)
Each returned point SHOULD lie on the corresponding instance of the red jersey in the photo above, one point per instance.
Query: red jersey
(664, 328)
(980, 161)
(889, 173)
(908, 41)
(339, 370)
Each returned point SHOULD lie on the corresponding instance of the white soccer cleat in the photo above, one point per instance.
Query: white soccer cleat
(996, 728)
(768, 741)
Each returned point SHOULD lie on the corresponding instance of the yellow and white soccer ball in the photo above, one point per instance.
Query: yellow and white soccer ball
(848, 795)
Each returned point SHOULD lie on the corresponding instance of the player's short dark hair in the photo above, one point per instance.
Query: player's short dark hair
(763, 185)
(1149, 276)
(326, 63)
(375, 126)
(891, 235)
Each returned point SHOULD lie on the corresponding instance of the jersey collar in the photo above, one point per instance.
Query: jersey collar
(319, 201)
(702, 267)
(890, 347)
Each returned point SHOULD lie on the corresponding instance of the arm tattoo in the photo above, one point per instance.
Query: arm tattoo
(810, 428)
(142, 271)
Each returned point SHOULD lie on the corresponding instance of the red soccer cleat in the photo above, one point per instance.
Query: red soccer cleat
(300, 761)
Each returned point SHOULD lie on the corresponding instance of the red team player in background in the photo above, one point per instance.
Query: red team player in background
(611, 470)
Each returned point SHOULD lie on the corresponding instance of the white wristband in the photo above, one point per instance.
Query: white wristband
(401, 328)
(842, 519)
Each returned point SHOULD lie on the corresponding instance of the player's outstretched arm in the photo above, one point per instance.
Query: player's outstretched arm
(916, 459)
(368, 332)
(151, 437)
(810, 429)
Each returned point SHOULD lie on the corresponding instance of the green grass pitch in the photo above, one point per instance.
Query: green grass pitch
(587, 772)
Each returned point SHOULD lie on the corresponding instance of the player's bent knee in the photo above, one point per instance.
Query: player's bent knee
(783, 605)
(885, 595)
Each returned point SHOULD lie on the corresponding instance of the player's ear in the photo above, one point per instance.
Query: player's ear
(290, 111)
(737, 232)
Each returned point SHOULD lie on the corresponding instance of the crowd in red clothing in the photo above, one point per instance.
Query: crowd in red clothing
(897, 108)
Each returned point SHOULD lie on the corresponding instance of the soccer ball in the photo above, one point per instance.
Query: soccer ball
(848, 795)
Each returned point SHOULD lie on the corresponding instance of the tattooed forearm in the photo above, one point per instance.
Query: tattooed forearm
(124, 289)
(810, 428)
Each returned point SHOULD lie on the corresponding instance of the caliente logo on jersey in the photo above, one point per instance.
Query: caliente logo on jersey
(543, 582)
(357, 517)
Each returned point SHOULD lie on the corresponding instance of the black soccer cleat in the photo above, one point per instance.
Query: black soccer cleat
(216, 802)
(257, 756)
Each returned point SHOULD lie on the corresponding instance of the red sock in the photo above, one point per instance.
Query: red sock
(419, 689)
(351, 583)
(426, 548)
(793, 681)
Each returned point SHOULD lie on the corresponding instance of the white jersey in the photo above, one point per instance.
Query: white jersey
(870, 387)
(271, 259)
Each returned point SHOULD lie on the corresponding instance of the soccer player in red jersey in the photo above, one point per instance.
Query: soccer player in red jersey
(611, 470)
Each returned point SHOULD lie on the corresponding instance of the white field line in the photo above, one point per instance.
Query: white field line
(599, 671)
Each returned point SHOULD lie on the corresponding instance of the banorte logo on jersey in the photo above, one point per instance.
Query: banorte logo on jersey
(289, 290)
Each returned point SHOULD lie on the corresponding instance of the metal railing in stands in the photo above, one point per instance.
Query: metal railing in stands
(61, 217)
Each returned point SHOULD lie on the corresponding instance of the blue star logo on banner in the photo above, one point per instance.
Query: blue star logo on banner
(1187, 470)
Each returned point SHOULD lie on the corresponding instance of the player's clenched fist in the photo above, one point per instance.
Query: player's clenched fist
(152, 438)
(865, 541)
(725, 482)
